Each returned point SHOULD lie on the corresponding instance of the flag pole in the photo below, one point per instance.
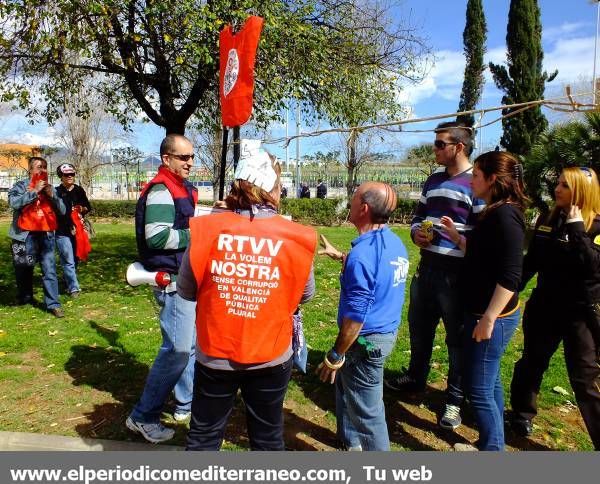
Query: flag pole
(236, 146)
(223, 163)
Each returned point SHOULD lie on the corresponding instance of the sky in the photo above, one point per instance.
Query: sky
(569, 30)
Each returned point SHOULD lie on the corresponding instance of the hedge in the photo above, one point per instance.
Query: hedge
(315, 211)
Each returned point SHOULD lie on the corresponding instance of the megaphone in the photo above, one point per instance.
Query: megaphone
(137, 275)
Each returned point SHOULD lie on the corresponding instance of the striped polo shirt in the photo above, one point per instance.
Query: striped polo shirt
(159, 219)
(450, 196)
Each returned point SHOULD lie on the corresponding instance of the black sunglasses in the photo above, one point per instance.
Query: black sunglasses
(440, 145)
(182, 157)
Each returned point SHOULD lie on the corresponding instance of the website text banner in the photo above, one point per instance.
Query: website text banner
(301, 467)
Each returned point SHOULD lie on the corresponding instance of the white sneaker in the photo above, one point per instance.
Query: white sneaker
(152, 432)
(451, 419)
(181, 416)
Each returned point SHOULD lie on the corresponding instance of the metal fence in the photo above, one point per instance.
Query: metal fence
(114, 183)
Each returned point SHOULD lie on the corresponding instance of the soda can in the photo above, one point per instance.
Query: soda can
(427, 228)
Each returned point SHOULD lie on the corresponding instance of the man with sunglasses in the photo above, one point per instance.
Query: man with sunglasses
(162, 233)
(434, 287)
(74, 198)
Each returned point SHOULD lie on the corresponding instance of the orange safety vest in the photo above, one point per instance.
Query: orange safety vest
(39, 214)
(250, 276)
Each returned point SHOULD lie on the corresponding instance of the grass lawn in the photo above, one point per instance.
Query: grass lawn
(81, 375)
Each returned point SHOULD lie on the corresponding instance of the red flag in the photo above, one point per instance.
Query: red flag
(237, 58)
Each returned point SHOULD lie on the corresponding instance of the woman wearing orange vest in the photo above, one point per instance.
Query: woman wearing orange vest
(248, 269)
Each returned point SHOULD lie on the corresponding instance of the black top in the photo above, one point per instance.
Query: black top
(321, 190)
(304, 192)
(494, 255)
(75, 196)
(567, 260)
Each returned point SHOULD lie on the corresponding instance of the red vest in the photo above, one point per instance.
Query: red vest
(250, 276)
(39, 214)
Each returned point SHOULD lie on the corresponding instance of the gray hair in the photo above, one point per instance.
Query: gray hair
(381, 202)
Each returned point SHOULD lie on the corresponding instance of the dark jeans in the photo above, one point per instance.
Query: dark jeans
(544, 327)
(482, 379)
(434, 294)
(263, 392)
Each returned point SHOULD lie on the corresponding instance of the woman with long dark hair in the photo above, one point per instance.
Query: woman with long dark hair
(490, 283)
(565, 305)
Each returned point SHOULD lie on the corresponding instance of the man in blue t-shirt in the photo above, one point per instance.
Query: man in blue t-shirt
(372, 282)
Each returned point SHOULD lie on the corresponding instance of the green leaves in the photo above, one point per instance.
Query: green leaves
(524, 79)
(576, 143)
(474, 37)
(340, 58)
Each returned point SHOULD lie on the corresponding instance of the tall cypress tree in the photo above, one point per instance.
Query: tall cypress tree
(524, 80)
(474, 37)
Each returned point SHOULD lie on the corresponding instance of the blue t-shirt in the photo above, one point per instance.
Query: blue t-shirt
(373, 282)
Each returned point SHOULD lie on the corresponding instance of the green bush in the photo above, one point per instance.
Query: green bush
(315, 211)
(113, 208)
(312, 211)
(333, 211)
(404, 211)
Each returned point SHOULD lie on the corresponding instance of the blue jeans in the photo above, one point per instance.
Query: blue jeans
(482, 379)
(434, 294)
(359, 404)
(67, 261)
(173, 368)
(39, 247)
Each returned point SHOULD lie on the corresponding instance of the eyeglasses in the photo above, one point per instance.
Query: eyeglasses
(182, 157)
(441, 145)
(68, 175)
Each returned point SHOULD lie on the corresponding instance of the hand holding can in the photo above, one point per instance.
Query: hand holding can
(427, 229)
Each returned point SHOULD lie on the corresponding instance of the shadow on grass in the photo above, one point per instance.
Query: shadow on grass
(110, 369)
(323, 396)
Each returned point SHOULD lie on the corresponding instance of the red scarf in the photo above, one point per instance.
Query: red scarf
(82, 239)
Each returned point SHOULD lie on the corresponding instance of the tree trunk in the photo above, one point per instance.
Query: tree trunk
(127, 183)
(215, 181)
(351, 180)
(175, 125)
(85, 179)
